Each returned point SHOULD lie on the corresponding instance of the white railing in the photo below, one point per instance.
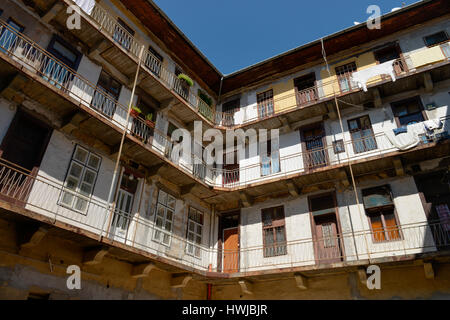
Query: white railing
(43, 195)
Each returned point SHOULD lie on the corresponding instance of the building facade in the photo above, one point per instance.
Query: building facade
(358, 174)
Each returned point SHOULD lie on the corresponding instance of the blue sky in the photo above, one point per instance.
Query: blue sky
(234, 34)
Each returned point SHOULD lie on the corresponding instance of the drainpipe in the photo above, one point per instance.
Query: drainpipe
(116, 167)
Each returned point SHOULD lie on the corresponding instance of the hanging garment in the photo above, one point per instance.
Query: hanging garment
(86, 5)
(403, 141)
(361, 77)
(432, 124)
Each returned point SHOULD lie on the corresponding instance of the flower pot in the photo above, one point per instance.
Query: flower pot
(149, 123)
(134, 113)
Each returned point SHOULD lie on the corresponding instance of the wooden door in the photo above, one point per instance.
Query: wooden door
(328, 242)
(305, 88)
(231, 250)
(314, 147)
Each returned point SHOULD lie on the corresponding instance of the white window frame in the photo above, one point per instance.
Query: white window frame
(162, 203)
(86, 167)
(193, 247)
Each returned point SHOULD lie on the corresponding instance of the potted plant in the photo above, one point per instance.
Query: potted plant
(185, 79)
(149, 120)
(135, 112)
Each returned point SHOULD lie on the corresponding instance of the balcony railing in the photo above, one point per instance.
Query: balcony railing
(42, 195)
(33, 58)
(150, 63)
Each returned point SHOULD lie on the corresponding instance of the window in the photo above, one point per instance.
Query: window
(408, 112)
(8, 37)
(123, 34)
(436, 39)
(194, 232)
(270, 162)
(306, 88)
(344, 77)
(165, 209)
(80, 179)
(389, 53)
(381, 213)
(265, 104)
(338, 146)
(228, 110)
(106, 95)
(362, 134)
(274, 232)
(124, 203)
(154, 61)
(64, 52)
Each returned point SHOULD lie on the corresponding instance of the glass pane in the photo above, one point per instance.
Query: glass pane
(94, 162)
(67, 198)
(191, 236)
(191, 226)
(268, 235)
(168, 226)
(81, 155)
(162, 197)
(157, 235)
(159, 222)
(76, 170)
(199, 229)
(160, 211)
(353, 124)
(169, 216)
(86, 189)
(81, 204)
(65, 52)
(171, 202)
(198, 239)
(71, 183)
(89, 177)
(166, 238)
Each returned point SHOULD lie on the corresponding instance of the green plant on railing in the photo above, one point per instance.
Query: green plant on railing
(186, 79)
(149, 120)
(135, 111)
(204, 97)
(149, 117)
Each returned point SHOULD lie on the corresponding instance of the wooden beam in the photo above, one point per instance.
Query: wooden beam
(180, 281)
(186, 189)
(331, 111)
(246, 199)
(292, 188)
(428, 82)
(142, 270)
(428, 269)
(377, 98)
(301, 281)
(246, 286)
(166, 105)
(399, 170)
(94, 255)
(53, 12)
(155, 170)
(343, 178)
(31, 237)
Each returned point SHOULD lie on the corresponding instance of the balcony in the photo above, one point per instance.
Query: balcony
(407, 71)
(41, 198)
(112, 43)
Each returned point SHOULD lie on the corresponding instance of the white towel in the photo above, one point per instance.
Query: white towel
(432, 124)
(361, 77)
(403, 141)
(86, 5)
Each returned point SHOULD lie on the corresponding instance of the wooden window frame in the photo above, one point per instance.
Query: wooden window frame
(305, 151)
(358, 119)
(277, 223)
(403, 66)
(395, 104)
(51, 48)
(269, 155)
(263, 99)
(379, 210)
(85, 166)
(345, 75)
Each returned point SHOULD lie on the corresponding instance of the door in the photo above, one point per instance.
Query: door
(314, 147)
(122, 215)
(327, 244)
(389, 53)
(306, 89)
(231, 250)
(23, 148)
(230, 171)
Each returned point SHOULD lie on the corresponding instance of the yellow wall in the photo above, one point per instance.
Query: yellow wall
(284, 95)
(427, 56)
(363, 61)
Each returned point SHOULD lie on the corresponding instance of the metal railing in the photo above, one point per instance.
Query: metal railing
(150, 63)
(43, 195)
